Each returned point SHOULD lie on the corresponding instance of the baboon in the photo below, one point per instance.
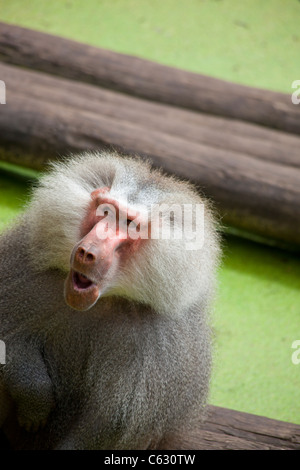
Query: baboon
(106, 326)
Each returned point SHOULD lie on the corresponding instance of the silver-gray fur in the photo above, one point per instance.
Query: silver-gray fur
(137, 364)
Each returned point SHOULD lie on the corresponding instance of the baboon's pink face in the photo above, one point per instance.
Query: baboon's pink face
(105, 246)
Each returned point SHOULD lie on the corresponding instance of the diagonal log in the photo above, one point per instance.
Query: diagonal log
(146, 79)
(212, 131)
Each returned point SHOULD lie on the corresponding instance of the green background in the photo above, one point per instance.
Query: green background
(254, 42)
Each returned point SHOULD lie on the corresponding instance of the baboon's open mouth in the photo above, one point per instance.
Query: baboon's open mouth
(81, 281)
(80, 292)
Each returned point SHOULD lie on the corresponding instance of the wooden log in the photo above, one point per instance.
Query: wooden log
(215, 132)
(147, 79)
(259, 196)
(225, 429)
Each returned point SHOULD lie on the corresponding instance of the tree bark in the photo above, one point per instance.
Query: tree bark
(226, 429)
(146, 79)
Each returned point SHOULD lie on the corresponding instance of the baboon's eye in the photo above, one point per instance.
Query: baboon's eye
(105, 210)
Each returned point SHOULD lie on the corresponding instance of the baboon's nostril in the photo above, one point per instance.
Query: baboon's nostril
(85, 256)
(90, 257)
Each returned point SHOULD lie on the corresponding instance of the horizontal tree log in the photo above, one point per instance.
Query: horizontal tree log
(222, 133)
(226, 429)
(258, 196)
(147, 79)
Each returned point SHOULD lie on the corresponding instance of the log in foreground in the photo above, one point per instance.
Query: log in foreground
(251, 193)
(146, 79)
(226, 429)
